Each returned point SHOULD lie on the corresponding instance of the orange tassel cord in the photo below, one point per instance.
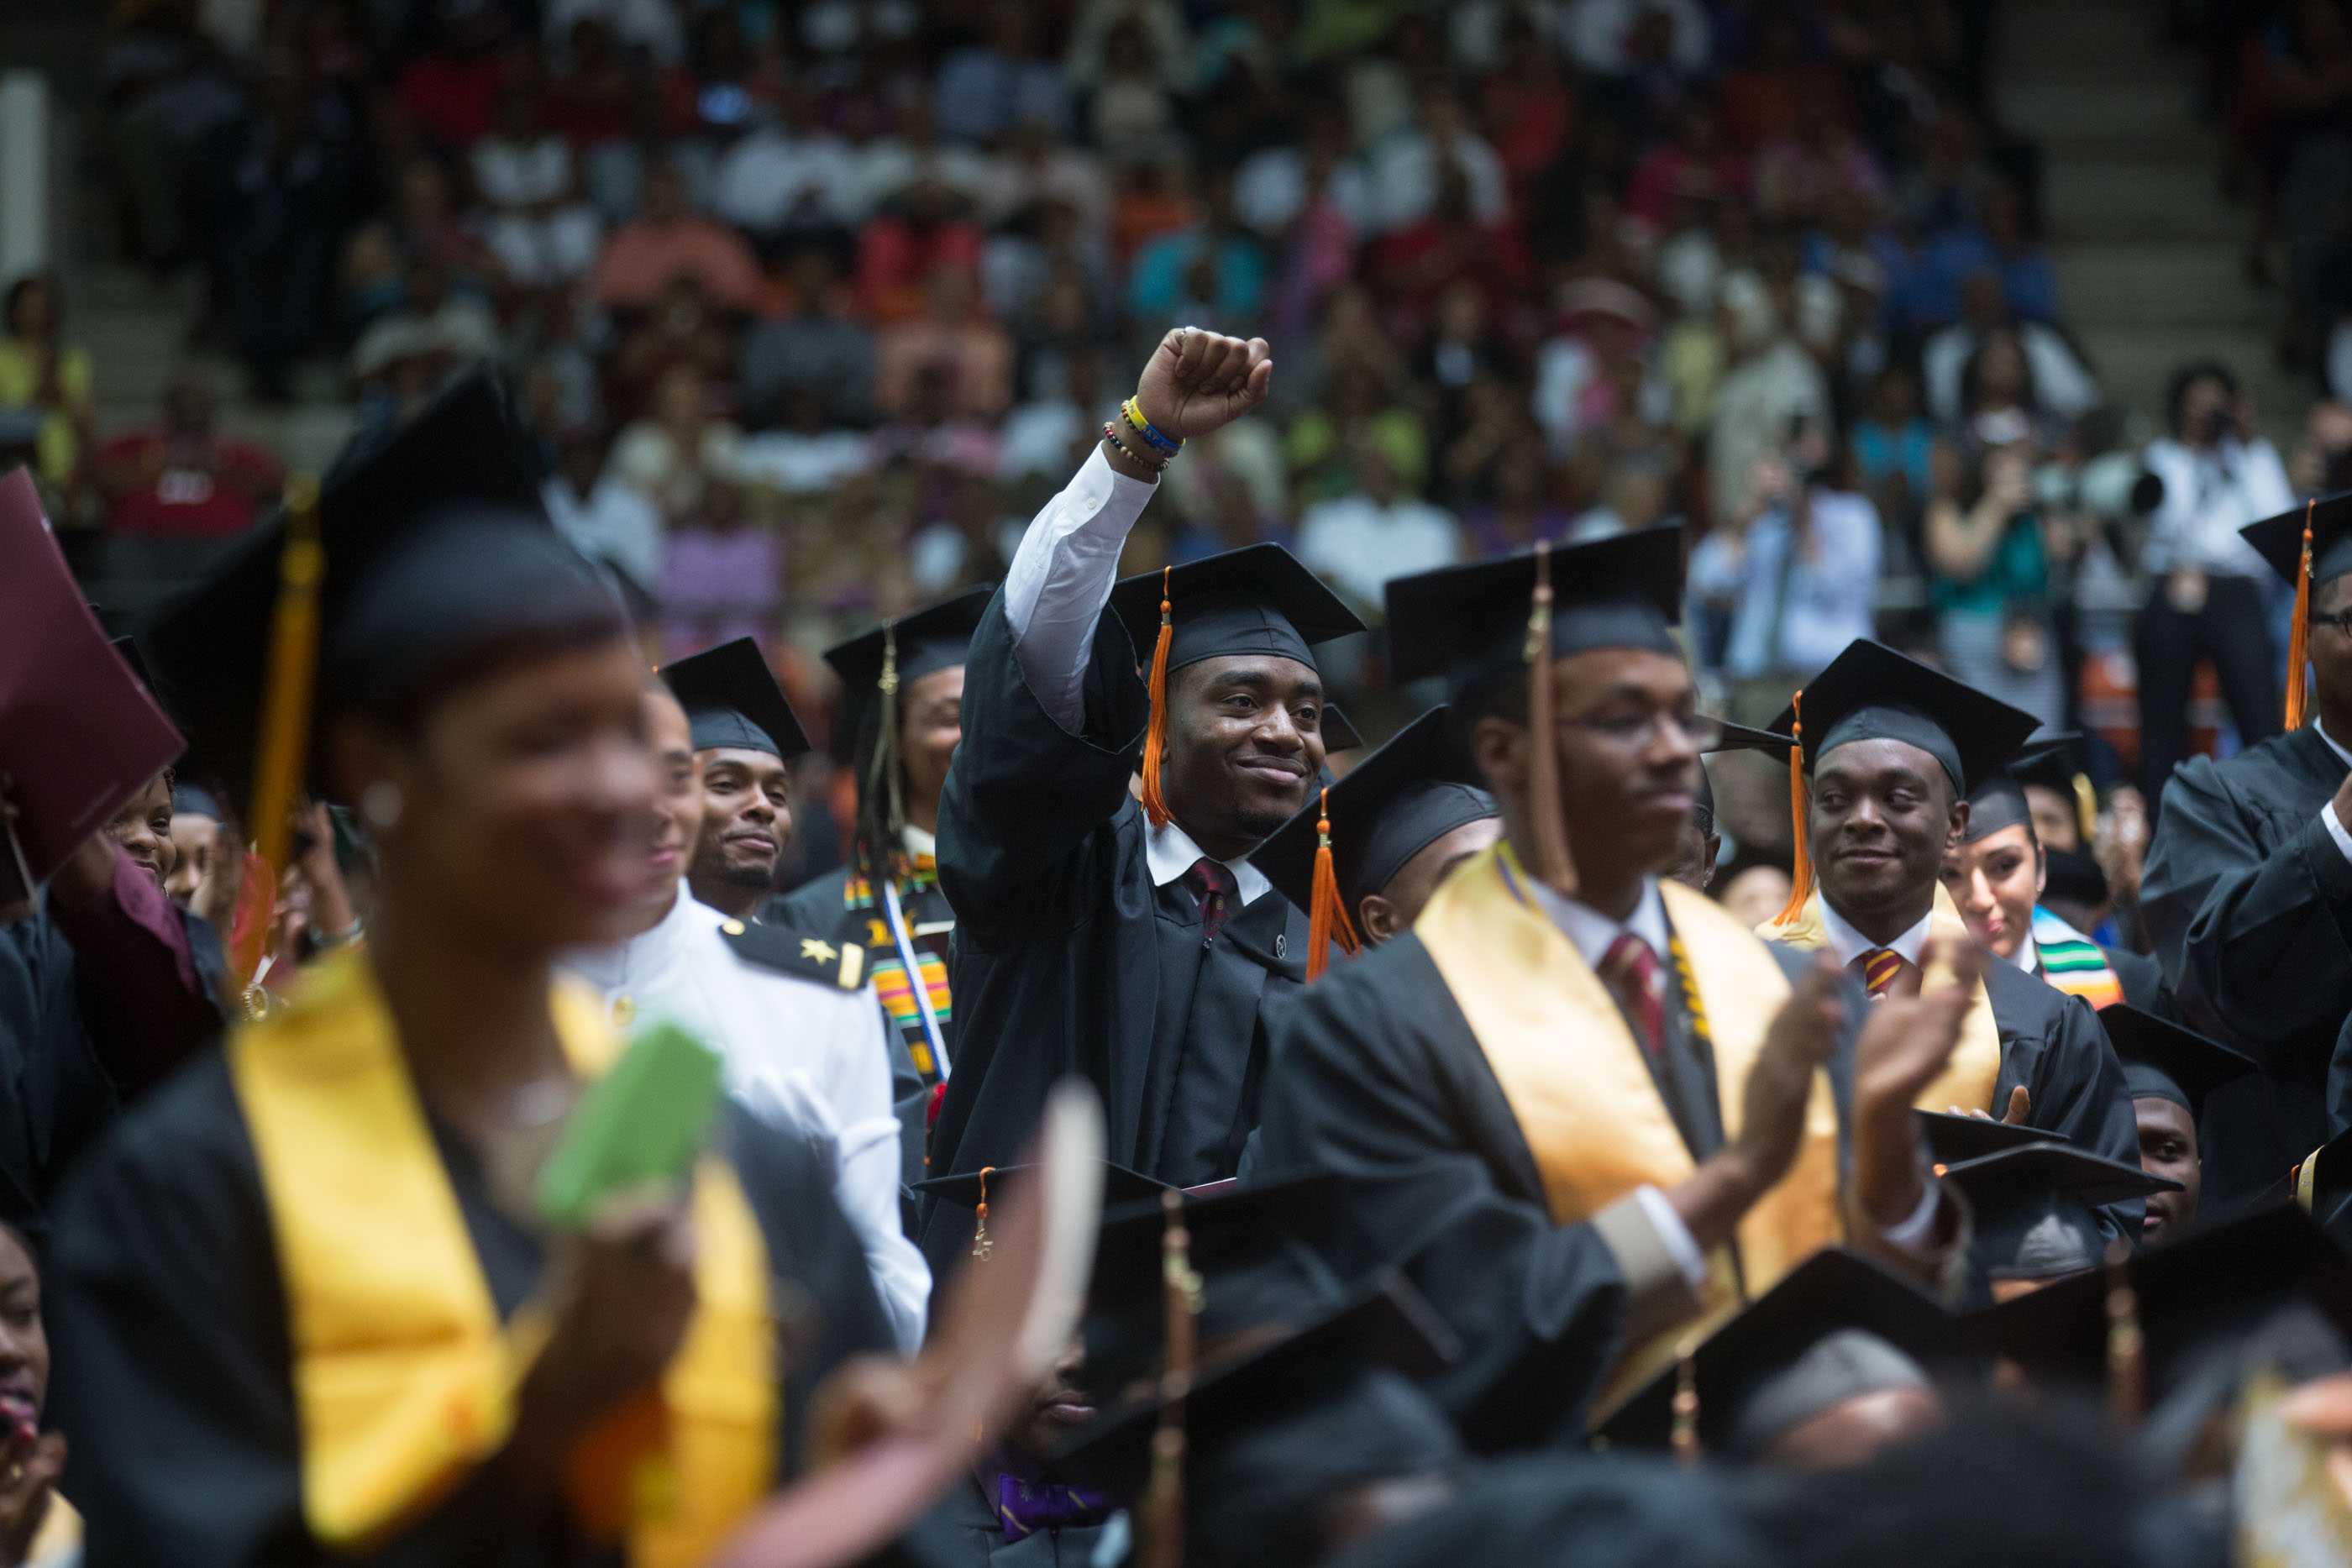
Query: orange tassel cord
(1327, 916)
(1801, 866)
(1155, 738)
(2299, 637)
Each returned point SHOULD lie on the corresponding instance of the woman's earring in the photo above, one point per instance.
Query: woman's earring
(380, 803)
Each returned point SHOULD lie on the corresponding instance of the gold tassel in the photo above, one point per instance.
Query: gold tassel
(1801, 867)
(1684, 1442)
(1553, 863)
(2086, 809)
(980, 1245)
(1155, 737)
(1163, 1497)
(1326, 913)
(2127, 1346)
(883, 773)
(2299, 637)
(282, 750)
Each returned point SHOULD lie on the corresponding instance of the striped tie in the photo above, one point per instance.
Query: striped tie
(1881, 967)
(1630, 969)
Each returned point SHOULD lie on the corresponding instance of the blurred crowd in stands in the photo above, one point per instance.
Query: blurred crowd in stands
(814, 302)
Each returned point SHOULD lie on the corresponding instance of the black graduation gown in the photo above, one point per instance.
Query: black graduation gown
(1378, 1076)
(822, 908)
(2142, 979)
(962, 1531)
(1067, 959)
(172, 1377)
(2053, 1045)
(2250, 905)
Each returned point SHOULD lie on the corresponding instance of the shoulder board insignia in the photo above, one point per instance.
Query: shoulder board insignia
(805, 957)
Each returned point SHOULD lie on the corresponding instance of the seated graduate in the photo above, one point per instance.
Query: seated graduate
(1588, 1109)
(1834, 1363)
(1694, 864)
(746, 736)
(2171, 1070)
(306, 1306)
(1891, 749)
(793, 1016)
(1997, 874)
(1128, 940)
(902, 698)
(2040, 1214)
(1366, 853)
(2247, 896)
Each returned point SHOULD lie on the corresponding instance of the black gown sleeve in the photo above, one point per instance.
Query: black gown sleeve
(1025, 798)
(2263, 943)
(2051, 1044)
(1370, 1079)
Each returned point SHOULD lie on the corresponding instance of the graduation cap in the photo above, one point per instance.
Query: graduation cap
(2163, 1060)
(1347, 844)
(2195, 1297)
(1481, 626)
(2072, 877)
(1736, 737)
(1999, 800)
(1266, 1254)
(1836, 1328)
(425, 552)
(731, 699)
(1956, 1139)
(1870, 692)
(2305, 547)
(1312, 1374)
(2033, 1203)
(1339, 731)
(1257, 599)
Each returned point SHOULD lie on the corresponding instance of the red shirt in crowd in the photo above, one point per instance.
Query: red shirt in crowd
(455, 100)
(211, 500)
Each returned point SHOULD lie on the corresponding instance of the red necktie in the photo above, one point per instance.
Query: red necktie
(1630, 969)
(1212, 888)
(1881, 969)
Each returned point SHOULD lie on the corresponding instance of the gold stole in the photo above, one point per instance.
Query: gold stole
(403, 1378)
(1585, 1101)
(1969, 1077)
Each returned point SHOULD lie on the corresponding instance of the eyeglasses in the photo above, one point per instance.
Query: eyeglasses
(1637, 731)
(2341, 620)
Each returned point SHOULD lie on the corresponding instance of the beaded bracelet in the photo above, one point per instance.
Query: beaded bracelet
(1113, 445)
(1133, 411)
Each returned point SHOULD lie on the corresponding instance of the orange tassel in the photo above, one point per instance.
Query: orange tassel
(2299, 637)
(283, 747)
(1800, 868)
(1155, 738)
(1326, 913)
(980, 1245)
(1553, 863)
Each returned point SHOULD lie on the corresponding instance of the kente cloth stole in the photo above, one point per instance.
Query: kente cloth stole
(2073, 962)
(1969, 1079)
(1582, 1095)
(403, 1377)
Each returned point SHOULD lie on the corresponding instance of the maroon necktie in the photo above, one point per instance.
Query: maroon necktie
(1630, 969)
(1212, 888)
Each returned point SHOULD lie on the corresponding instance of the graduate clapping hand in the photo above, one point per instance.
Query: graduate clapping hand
(1904, 1048)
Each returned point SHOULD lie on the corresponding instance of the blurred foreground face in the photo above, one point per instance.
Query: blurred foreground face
(144, 828)
(1852, 1433)
(525, 802)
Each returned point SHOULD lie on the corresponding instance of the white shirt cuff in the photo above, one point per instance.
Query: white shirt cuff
(2336, 830)
(1913, 1233)
(1674, 1236)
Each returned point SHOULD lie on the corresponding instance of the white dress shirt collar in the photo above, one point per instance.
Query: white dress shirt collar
(633, 964)
(1171, 852)
(2333, 744)
(1592, 932)
(1846, 944)
(918, 842)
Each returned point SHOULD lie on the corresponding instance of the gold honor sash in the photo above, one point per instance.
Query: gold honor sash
(1583, 1097)
(403, 1378)
(1969, 1077)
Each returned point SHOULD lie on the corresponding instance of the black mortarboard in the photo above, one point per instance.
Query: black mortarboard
(1999, 800)
(1870, 692)
(1469, 623)
(1390, 806)
(731, 699)
(1121, 1186)
(1340, 733)
(127, 647)
(1956, 1139)
(933, 638)
(434, 553)
(2279, 539)
(1736, 737)
(2163, 1060)
(1254, 600)
(195, 801)
(1267, 1253)
(2194, 1295)
(2032, 1207)
(1315, 1363)
(2069, 876)
(1837, 1327)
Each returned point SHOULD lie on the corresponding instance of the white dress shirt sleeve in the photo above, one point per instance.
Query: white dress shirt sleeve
(1673, 1236)
(2336, 829)
(1060, 577)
